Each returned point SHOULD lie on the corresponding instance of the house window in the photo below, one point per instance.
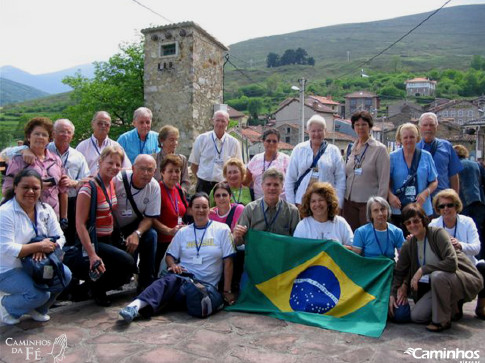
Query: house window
(445, 113)
(368, 101)
(169, 49)
(470, 113)
(453, 113)
(353, 102)
(287, 139)
(460, 113)
(288, 130)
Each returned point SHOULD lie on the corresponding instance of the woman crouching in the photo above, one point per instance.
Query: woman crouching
(202, 250)
(437, 275)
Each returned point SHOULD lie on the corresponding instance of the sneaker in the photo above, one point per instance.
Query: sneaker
(129, 313)
(5, 317)
(35, 315)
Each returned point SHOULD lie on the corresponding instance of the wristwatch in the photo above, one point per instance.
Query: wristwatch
(138, 233)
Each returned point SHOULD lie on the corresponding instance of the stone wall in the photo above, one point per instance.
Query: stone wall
(181, 89)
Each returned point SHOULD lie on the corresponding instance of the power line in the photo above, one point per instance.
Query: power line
(397, 41)
(153, 11)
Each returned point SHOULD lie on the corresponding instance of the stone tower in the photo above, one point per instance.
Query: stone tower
(183, 78)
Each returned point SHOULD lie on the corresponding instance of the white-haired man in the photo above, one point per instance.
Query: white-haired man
(140, 140)
(445, 158)
(91, 148)
(211, 150)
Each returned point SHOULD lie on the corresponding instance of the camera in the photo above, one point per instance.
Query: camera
(94, 274)
(51, 180)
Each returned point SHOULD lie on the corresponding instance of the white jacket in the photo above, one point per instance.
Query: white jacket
(331, 169)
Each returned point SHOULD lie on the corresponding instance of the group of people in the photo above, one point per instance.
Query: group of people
(126, 208)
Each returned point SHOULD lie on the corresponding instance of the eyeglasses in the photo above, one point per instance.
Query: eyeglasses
(222, 195)
(271, 141)
(412, 221)
(449, 205)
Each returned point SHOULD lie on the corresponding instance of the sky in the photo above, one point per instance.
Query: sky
(41, 36)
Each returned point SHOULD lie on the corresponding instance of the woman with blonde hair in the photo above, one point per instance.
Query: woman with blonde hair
(234, 173)
(109, 266)
(413, 174)
(320, 219)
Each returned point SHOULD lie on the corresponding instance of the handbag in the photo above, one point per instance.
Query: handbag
(201, 298)
(72, 254)
(47, 271)
(314, 163)
(410, 181)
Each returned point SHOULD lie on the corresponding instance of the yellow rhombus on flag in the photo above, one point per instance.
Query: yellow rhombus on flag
(279, 288)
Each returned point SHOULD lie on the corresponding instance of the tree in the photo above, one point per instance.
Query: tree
(272, 60)
(311, 61)
(477, 62)
(254, 107)
(288, 57)
(117, 87)
(300, 56)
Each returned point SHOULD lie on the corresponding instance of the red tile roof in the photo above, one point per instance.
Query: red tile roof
(325, 100)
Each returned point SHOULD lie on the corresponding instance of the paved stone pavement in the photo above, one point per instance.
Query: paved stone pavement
(96, 334)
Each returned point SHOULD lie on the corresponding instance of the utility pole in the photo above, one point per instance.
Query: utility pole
(302, 82)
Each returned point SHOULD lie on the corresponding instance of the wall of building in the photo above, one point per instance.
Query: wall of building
(182, 89)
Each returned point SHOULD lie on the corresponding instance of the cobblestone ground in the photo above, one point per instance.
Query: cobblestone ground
(96, 334)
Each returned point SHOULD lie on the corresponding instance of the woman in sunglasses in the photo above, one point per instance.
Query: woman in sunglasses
(270, 158)
(431, 272)
(225, 211)
(463, 234)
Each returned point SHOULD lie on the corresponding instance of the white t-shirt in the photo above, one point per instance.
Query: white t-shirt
(337, 230)
(210, 154)
(216, 246)
(148, 200)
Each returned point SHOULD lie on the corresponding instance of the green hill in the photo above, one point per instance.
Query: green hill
(11, 92)
(449, 39)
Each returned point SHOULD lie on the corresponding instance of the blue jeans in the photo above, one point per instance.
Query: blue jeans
(24, 295)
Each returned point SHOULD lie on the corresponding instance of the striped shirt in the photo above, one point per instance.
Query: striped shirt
(104, 218)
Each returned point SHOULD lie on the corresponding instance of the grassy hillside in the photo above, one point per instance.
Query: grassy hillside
(11, 91)
(14, 116)
(449, 39)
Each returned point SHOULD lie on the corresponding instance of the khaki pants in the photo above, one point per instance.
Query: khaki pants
(437, 304)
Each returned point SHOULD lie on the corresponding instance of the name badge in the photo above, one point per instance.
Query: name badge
(197, 260)
(180, 221)
(315, 174)
(126, 213)
(358, 171)
(410, 191)
(424, 279)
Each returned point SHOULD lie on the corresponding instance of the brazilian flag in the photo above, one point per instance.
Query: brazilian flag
(315, 282)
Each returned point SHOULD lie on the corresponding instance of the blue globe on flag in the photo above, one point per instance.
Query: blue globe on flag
(315, 290)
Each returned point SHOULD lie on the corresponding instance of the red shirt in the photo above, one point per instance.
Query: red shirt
(171, 202)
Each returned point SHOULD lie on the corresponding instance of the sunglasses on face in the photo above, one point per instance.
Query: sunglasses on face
(223, 195)
(412, 221)
(449, 205)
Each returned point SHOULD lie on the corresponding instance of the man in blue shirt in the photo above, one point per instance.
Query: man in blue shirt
(447, 163)
(140, 140)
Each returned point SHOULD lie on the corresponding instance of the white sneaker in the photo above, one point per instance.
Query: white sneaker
(5, 317)
(35, 315)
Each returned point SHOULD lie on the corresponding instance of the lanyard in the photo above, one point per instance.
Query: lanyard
(238, 196)
(132, 187)
(95, 146)
(269, 165)
(105, 192)
(219, 152)
(359, 159)
(424, 252)
(456, 226)
(198, 246)
(60, 156)
(268, 226)
(34, 223)
(174, 201)
(142, 146)
(378, 243)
